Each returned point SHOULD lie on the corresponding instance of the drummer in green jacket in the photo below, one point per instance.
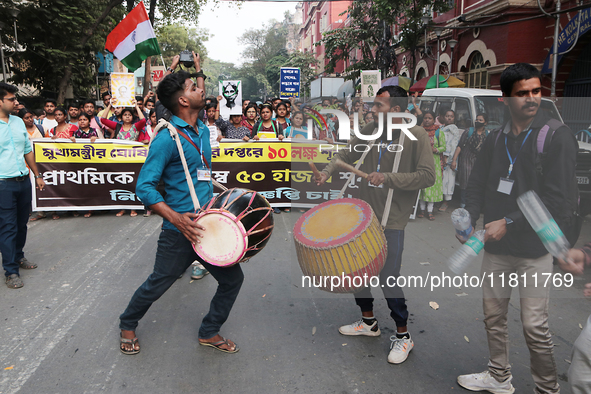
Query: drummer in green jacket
(416, 172)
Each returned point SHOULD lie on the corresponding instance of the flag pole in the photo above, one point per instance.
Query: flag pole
(161, 58)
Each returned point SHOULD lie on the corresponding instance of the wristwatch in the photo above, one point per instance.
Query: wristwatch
(39, 176)
(508, 221)
(170, 69)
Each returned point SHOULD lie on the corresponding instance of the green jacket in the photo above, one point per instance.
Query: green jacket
(416, 172)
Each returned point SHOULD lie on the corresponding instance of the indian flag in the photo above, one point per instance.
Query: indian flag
(133, 39)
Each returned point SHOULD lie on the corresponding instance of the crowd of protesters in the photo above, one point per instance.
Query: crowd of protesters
(454, 149)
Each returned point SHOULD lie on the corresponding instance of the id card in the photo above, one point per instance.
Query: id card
(204, 175)
(505, 186)
(381, 186)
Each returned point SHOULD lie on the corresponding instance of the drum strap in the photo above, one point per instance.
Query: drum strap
(175, 136)
(391, 191)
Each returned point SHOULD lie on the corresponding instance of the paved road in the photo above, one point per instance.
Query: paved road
(60, 335)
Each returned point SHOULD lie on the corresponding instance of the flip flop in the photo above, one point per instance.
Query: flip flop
(132, 342)
(217, 345)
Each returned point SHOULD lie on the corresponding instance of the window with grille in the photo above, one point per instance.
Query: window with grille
(477, 76)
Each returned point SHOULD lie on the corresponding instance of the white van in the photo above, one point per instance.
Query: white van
(467, 103)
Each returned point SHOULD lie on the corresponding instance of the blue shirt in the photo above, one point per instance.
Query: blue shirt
(14, 145)
(164, 162)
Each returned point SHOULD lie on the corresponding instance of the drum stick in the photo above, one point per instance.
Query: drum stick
(350, 168)
(314, 170)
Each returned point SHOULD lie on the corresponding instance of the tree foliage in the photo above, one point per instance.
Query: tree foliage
(58, 40)
(215, 69)
(171, 11)
(307, 64)
(369, 30)
(265, 53)
(175, 38)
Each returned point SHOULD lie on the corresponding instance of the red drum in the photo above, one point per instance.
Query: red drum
(238, 224)
(340, 238)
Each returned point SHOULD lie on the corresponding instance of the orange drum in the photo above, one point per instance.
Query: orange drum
(340, 238)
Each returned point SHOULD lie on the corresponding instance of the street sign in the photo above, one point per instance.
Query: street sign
(157, 74)
(289, 82)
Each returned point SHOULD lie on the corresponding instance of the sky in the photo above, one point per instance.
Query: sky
(226, 22)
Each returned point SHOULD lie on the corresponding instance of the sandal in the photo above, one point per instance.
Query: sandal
(38, 217)
(430, 216)
(26, 264)
(75, 214)
(120, 213)
(443, 207)
(55, 216)
(131, 342)
(133, 214)
(88, 214)
(421, 214)
(218, 345)
(14, 281)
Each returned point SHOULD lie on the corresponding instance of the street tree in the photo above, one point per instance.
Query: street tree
(176, 38)
(61, 39)
(307, 64)
(369, 30)
(264, 52)
(214, 69)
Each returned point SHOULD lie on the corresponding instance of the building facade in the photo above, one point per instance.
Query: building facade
(319, 17)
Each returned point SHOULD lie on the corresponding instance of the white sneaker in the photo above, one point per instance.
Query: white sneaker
(400, 348)
(484, 381)
(360, 328)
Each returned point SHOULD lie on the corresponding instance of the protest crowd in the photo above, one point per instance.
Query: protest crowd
(446, 157)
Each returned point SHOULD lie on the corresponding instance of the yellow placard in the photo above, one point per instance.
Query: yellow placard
(123, 89)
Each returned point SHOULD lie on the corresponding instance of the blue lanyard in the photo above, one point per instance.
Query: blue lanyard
(513, 160)
(380, 156)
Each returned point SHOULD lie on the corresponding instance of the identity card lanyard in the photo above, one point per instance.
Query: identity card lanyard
(506, 184)
(381, 186)
(200, 149)
(272, 124)
(380, 156)
(202, 174)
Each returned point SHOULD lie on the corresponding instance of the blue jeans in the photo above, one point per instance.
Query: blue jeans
(15, 206)
(394, 295)
(173, 256)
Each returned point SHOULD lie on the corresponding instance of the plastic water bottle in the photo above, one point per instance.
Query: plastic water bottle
(462, 222)
(543, 224)
(464, 256)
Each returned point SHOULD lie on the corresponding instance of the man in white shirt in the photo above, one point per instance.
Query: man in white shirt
(49, 121)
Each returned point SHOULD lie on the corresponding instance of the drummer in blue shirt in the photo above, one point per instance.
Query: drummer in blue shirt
(185, 99)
